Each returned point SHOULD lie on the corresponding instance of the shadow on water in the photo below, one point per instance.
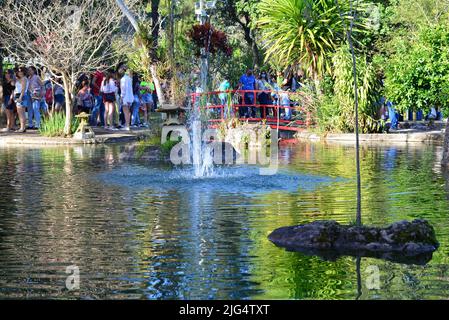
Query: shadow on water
(397, 257)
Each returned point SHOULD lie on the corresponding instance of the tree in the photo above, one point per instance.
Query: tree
(243, 13)
(303, 32)
(1, 75)
(417, 75)
(128, 14)
(337, 112)
(147, 37)
(2, 53)
(415, 58)
(416, 14)
(68, 38)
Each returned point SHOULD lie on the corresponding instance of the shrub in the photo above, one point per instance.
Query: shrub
(53, 125)
(143, 145)
(168, 145)
(336, 110)
(417, 74)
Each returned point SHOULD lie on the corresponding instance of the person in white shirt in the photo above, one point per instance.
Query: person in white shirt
(109, 89)
(127, 96)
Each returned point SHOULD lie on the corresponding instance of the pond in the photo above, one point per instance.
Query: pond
(143, 230)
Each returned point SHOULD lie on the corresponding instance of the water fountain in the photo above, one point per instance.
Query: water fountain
(201, 153)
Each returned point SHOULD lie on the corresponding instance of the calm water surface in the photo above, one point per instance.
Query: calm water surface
(141, 230)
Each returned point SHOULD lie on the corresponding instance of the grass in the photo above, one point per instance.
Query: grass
(168, 145)
(153, 141)
(150, 141)
(53, 125)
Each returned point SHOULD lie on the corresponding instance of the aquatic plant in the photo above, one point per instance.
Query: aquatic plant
(53, 125)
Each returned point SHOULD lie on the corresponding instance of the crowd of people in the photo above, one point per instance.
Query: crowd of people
(114, 100)
(121, 99)
(260, 93)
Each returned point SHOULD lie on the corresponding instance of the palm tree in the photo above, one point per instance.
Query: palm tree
(307, 33)
(302, 32)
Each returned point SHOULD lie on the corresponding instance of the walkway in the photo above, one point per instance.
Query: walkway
(33, 137)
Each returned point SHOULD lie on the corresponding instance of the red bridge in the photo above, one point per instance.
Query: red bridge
(281, 110)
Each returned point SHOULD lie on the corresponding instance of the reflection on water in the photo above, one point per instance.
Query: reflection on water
(144, 230)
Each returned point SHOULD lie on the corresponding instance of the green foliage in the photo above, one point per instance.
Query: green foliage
(336, 111)
(143, 145)
(304, 32)
(53, 125)
(230, 68)
(248, 8)
(155, 141)
(168, 145)
(403, 42)
(417, 14)
(417, 74)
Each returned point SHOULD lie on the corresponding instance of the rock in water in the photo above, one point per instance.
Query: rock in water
(404, 241)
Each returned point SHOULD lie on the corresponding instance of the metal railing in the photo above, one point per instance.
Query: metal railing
(280, 109)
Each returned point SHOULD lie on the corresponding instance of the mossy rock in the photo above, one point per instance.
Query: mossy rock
(399, 241)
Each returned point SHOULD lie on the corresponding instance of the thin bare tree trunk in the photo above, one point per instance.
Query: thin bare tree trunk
(157, 84)
(171, 50)
(68, 105)
(128, 14)
(171, 34)
(153, 50)
(349, 30)
(1, 84)
(1, 75)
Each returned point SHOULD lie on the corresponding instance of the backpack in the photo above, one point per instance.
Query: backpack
(49, 96)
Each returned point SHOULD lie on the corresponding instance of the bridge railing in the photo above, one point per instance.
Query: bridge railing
(282, 109)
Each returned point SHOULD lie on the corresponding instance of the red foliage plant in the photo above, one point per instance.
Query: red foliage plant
(205, 36)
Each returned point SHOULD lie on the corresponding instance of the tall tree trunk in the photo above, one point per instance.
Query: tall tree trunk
(445, 161)
(68, 104)
(249, 38)
(171, 49)
(171, 34)
(1, 82)
(255, 51)
(153, 50)
(155, 28)
(157, 83)
(128, 14)
(1, 75)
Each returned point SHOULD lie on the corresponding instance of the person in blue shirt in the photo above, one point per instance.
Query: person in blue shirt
(248, 82)
(392, 115)
(223, 87)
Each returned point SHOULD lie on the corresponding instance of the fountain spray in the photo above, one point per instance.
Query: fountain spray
(202, 158)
